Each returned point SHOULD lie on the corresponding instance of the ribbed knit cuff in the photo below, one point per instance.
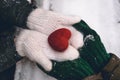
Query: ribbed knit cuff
(77, 69)
(8, 54)
(93, 50)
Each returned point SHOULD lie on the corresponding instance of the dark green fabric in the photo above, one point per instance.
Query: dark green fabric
(70, 70)
(8, 53)
(14, 13)
(93, 50)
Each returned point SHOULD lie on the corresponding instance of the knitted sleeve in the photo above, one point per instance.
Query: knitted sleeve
(8, 53)
(14, 12)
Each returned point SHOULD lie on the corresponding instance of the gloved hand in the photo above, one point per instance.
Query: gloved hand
(93, 50)
(93, 55)
(31, 43)
(48, 21)
(34, 45)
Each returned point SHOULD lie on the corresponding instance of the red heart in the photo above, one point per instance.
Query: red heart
(59, 39)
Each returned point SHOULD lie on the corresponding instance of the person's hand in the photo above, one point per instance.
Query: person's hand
(93, 50)
(34, 42)
(34, 45)
(48, 21)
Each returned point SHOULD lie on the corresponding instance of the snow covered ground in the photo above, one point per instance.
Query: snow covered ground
(101, 15)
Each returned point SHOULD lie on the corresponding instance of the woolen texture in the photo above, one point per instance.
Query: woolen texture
(14, 12)
(8, 54)
(76, 69)
(93, 50)
(34, 45)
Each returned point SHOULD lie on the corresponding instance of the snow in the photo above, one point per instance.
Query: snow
(27, 70)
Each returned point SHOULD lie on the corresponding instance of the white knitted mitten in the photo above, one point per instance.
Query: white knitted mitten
(48, 21)
(34, 45)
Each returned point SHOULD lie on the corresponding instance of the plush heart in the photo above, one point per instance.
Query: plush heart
(59, 39)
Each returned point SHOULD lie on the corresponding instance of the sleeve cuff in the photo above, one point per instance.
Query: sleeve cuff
(8, 53)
